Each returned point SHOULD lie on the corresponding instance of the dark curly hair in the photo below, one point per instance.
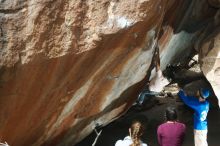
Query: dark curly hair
(171, 114)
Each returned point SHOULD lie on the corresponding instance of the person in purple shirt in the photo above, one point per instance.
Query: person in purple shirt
(172, 132)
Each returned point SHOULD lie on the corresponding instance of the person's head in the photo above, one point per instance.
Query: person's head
(171, 114)
(135, 131)
(203, 94)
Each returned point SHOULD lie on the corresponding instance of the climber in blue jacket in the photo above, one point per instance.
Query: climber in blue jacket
(201, 107)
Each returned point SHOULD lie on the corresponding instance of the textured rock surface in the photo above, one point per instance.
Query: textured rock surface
(214, 3)
(211, 61)
(67, 65)
(209, 48)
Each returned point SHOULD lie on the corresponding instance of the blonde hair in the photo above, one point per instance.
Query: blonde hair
(136, 130)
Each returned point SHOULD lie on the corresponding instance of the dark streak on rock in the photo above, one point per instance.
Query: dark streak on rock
(12, 11)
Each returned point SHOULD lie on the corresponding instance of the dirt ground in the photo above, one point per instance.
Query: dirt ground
(152, 117)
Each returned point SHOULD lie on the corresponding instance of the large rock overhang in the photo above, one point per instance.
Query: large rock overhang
(68, 65)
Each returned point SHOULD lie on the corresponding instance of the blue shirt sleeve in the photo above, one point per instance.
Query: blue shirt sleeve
(188, 100)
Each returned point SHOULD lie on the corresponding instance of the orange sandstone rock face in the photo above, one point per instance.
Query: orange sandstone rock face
(66, 65)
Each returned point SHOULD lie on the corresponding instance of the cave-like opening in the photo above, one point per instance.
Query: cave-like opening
(181, 75)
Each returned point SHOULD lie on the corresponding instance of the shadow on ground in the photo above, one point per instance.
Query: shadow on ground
(152, 118)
